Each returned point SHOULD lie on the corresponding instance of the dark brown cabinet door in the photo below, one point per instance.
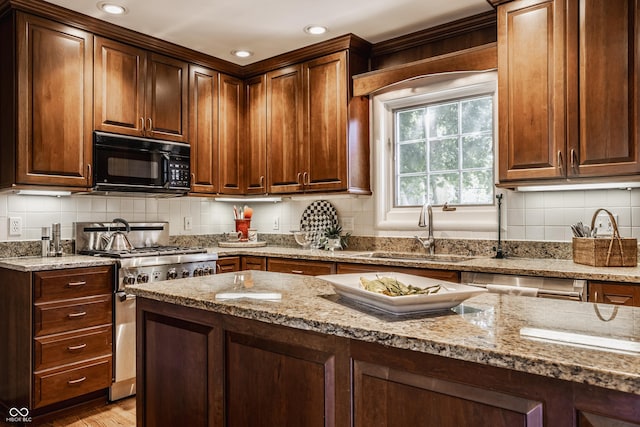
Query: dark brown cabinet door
(325, 112)
(55, 103)
(166, 96)
(603, 81)
(230, 123)
(298, 266)
(140, 93)
(203, 129)
(228, 264)
(255, 144)
(531, 76)
(614, 293)
(284, 130)
(119, 87)
(254, 263)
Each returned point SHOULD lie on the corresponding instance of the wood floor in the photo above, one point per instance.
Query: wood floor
(118, 414)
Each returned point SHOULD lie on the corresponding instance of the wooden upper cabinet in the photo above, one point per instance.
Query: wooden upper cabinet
(603, 81)
(325, 112)
(166, 98)
(284, 130)
(54, 102)
(139, 93)
(119, 87)
(203, 129)
(531, 75)
(255, 140)
(230, 163)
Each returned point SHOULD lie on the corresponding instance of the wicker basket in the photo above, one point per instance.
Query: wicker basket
(599, 252)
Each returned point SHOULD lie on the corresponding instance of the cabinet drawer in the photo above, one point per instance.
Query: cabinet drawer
(72, 283)
(51, 318)
(71, 347)
(58, 385)
(311, 268)
(228, 264)
(448, 275)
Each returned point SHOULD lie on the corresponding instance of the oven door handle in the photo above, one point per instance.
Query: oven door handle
(123, 296)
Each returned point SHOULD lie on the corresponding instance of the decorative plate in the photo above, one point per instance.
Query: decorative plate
(316, 218)
(450, 294)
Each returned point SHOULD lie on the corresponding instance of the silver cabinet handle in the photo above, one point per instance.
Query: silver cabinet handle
(76, 284)
(76, 315)
(142, 124)
(305, 178)
(76, 347)
(261, 180)
(560, 166)
(150, 128)
(79, 380)
(297, 271)
(298, 178)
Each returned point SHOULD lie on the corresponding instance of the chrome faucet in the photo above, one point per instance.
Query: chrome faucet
(430, 242)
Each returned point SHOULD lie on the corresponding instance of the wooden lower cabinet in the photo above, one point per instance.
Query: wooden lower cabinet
(254, 263)
(298, 266)
(58, 350)
(448, 275)
(228, 264)
(222, 370)
(614, 293)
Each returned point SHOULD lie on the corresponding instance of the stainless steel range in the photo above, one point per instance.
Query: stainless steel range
(143, 255)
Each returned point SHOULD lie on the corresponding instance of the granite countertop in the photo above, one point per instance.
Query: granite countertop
(36, 263)
(486, 329)
(561, 268)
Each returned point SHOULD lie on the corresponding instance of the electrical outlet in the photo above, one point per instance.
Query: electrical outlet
(603, 224)
(15, 226)
(347, 224)
(187, 223)
(276, 223)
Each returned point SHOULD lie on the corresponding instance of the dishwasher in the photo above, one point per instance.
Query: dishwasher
(542, 287)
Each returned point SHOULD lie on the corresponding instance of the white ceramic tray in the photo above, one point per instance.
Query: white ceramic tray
(450, 294)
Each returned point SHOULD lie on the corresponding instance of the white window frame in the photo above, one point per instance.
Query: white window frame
(429, 89)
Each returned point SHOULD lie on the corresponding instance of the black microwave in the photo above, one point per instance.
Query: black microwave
(132, 164)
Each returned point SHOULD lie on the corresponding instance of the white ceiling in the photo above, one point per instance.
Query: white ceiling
(271, 27)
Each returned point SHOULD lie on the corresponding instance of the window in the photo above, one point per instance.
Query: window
(433, 141)
(444, 153)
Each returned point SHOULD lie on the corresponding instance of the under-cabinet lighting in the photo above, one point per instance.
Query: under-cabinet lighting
(273, 199)
(315, 30)
(112, 8)
(43, 193)
(583, 186)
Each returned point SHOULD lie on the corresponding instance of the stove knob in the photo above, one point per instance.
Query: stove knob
(208, 271)
(143, 278)
(129, 279)
(172, 274)
(185, 273)
(198, 272)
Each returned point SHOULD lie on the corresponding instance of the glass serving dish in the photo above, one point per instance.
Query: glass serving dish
(303, 238)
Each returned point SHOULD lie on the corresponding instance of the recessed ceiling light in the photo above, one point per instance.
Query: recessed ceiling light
(112, 8)
(316, 30)
(241, 53)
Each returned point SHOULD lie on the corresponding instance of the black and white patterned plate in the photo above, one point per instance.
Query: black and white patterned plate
(316, 218)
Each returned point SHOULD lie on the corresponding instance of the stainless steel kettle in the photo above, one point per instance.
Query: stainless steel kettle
(118, 240)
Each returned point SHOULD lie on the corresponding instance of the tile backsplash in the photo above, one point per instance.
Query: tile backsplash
(543, 216)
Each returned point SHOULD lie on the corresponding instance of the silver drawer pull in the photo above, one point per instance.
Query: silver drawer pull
(79, 380)
(297, 271)
(75, 284)
(75, 315)
(76, 347)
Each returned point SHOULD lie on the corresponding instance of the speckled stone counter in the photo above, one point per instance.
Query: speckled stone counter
(562, 268)
(486, 329)
(52, 263)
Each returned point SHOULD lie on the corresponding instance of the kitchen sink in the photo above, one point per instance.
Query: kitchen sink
(415, 256)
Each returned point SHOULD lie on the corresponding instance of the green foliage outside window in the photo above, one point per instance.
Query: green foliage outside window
(444, 153)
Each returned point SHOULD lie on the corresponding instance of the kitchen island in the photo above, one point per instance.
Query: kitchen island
(313, 358)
